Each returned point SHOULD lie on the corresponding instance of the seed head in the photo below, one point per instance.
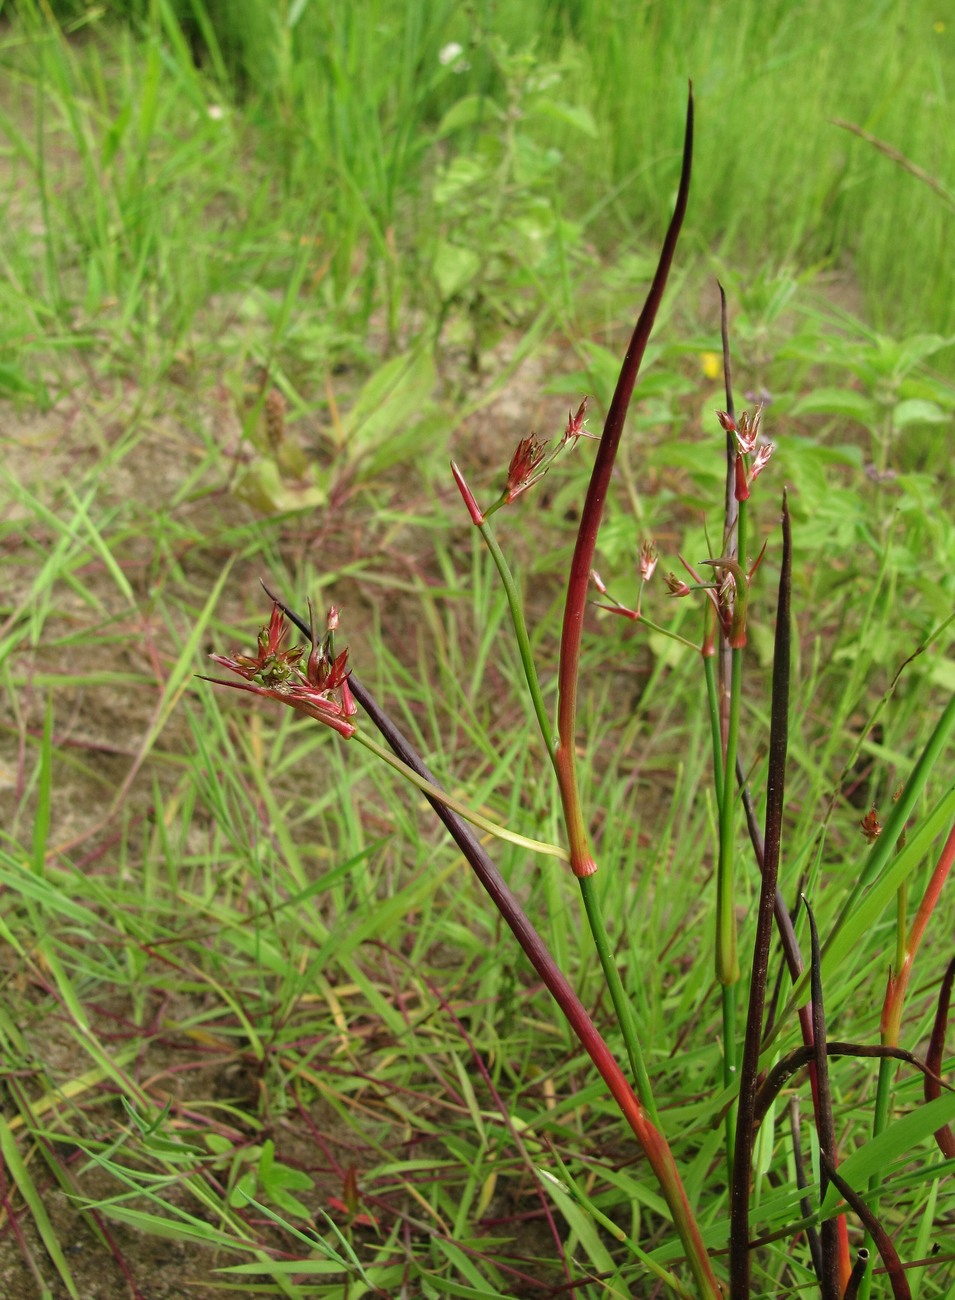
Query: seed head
(522, 472)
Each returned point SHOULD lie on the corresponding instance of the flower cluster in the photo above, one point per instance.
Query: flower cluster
(528, 466)
(746, 432)
(320, 691)
(871, 826)
(522, 473)
(727, 594)
(646, 566)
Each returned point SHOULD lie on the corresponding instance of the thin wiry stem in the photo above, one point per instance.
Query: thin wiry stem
(883, 1242)
(802, 1182)
(825, 1123)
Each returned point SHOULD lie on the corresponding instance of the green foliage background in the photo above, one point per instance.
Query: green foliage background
(264, 266)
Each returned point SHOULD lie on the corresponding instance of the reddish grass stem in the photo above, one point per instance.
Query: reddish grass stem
(651, 1141)
(579, 579)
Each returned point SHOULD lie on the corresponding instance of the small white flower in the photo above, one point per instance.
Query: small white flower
(448, 53)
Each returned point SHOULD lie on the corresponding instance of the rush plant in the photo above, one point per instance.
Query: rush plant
(831, 1220)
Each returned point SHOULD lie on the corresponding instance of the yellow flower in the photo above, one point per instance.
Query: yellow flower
(712, 364)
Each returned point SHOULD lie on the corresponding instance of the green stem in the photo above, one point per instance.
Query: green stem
(622, 1006)
(730, 1073)
(713, 701)
(883, 1098)
(727, 960)
(673, 636)
(621, 1003)
(514, 604)
(462, 809)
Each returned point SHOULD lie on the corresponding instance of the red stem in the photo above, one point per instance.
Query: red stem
(579, 579)
(899, 980)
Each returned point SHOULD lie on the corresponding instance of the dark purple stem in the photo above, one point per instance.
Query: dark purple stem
(775, 791)
(933, 1058)
(883, 1242)
(785, 1068)
(652, 1142)
(857, 1274)
(825, 1123)
(802, 1182)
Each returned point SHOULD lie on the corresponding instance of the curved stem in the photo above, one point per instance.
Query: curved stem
(582, 562)
(622, 1006)
(652, 1142)
(435, 792)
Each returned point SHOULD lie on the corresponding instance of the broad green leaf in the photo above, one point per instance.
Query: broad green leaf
(454, 267)
(392, 401)
(838, 401)
(579, 1222)
(464, 1265)
(264, 487)
(183, 1228)
(573, 115)
(918, 411)
(283, 1267)
(470, 110)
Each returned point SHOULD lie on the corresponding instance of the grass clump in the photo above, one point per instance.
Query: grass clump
(326, 690)
(261, 1030)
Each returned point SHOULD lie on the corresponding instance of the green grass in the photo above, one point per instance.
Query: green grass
(332, 150)
(237, 958)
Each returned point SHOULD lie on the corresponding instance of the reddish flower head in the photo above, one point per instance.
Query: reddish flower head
(648, 560)
(676, 586)
(575, 425)
(747, 430)
(522, 472)
(272, 665)
(761, 460)
(320, 692)
(871, 826)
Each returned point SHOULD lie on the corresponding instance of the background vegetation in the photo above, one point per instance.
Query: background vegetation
(263, 267)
